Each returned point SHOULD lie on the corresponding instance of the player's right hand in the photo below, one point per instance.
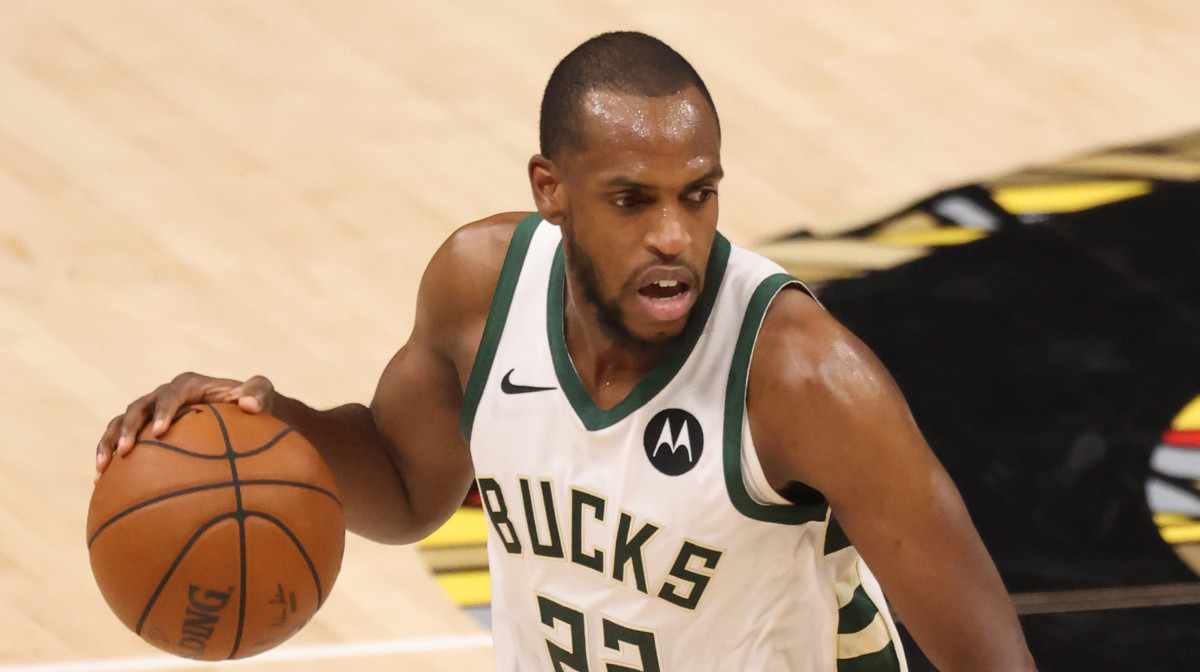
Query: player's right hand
(158, 409)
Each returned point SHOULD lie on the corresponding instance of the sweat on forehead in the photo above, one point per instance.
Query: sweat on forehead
(618, 63)
(608, 114)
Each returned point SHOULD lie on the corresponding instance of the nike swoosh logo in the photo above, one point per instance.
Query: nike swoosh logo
(509, 387)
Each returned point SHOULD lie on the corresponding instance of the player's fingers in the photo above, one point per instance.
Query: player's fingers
(132, 422)
(108, 440)
(184, 389)
(255, 395)
(108, 443)
(157, 409)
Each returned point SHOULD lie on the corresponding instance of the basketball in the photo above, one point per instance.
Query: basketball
(221, 538)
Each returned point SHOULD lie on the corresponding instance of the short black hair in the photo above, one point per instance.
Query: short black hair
(620, 62)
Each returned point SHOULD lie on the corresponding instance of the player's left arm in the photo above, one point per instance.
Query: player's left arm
(825, 412)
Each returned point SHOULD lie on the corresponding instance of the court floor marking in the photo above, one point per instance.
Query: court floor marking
(287, 654)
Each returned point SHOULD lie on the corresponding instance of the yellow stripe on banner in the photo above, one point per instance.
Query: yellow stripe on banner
(467, 589)
(468, 526)
(942, 235)
(1181, 534)
(1189, 417)
(1070, 197)
(1168, 519)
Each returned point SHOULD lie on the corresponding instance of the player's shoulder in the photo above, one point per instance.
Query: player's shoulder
(801, 345)
(794, 313)
(458, 283)
(808, 370)
(480, 240)
(475, 252)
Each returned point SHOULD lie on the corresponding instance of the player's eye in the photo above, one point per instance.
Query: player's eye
(628, 200)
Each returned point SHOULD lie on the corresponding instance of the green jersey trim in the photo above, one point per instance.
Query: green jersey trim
(883, 660)
(855, 617)
(592, 416)
(858, 613)
(735, 407)
(835, 536)
(514, 259)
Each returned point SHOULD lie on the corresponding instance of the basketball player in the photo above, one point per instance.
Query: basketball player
(662, 425)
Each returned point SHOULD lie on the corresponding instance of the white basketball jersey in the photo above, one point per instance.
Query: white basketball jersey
(629, 538)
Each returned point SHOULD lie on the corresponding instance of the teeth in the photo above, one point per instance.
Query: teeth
(667, 283)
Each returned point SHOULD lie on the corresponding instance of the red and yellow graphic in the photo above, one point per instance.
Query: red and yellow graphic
(1173, 487)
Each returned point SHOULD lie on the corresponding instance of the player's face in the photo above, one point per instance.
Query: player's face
(641, 210)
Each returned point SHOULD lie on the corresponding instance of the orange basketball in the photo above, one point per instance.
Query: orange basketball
(219, 539)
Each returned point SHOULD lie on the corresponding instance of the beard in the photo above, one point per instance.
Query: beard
(610, 317)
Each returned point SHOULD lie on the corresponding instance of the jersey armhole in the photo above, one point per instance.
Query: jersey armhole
(753, 477)
(784, 512)
(514, 258)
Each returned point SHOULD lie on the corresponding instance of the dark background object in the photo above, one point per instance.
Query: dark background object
(1043, 363)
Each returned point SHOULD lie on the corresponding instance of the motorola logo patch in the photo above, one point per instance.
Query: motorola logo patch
(673, 441)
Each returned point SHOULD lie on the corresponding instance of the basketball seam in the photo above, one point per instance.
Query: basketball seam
(201, 488)
(312, 567)
(154, 500)
(241, 518)
(204, 456)
(175, 565)
(268, 444)
(177, 449)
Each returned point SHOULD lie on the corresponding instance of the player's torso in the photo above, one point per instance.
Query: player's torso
(616, 543)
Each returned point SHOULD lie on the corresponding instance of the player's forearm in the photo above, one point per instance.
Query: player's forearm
(937, 573)
(952, 598)
(992, 642)
(373, 494)
(1001, 651)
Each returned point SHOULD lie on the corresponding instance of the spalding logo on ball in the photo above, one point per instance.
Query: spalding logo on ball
(219, 539)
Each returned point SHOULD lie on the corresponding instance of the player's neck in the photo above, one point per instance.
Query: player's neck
(608, 365)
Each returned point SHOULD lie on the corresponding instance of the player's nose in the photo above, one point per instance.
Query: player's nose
(668, 234)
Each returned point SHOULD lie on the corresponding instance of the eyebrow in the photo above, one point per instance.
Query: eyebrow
(715, 173)
(622, 181)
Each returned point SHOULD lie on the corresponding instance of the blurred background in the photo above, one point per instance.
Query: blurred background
(240, 188)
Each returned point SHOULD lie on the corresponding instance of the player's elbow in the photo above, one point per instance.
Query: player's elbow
(393, 531)
(400, 522)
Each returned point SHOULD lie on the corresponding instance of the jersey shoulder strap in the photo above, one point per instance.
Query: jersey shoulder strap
(514, 259)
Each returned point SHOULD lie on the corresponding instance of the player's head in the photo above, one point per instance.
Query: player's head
(629, 165)
(619, 62)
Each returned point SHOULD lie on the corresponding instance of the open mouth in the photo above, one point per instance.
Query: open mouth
(667, 299)
(663, 289)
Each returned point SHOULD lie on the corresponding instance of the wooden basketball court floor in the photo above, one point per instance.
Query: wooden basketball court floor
(240, 188)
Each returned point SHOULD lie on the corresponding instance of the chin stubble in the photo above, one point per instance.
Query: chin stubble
(610, 318)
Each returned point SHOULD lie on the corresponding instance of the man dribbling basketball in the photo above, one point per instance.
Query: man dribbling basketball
(660, 423)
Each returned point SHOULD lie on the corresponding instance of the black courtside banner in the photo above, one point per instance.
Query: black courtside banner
(1045, 328)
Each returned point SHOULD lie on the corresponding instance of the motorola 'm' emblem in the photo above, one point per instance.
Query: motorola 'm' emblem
(673, 441)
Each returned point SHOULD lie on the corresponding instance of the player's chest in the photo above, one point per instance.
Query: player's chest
(562, 486)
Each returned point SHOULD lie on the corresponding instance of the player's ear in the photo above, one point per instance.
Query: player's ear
(547, 188)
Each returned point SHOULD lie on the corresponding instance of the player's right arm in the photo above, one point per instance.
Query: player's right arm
(401, 464)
